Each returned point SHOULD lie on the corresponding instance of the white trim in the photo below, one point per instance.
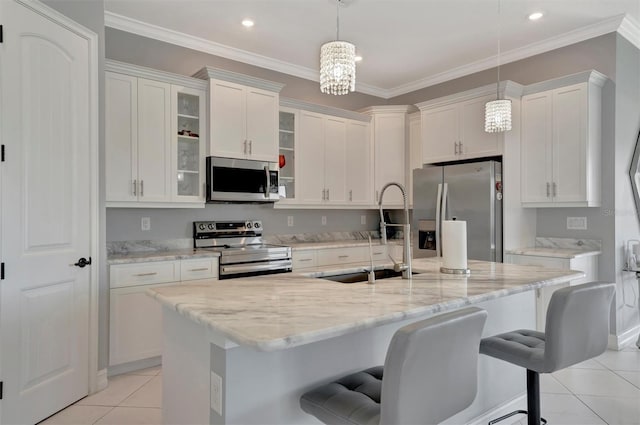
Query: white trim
(102, 381)
(591, 77)
(209, 72)
(388, 109)
(623, 24)
(125, 204)
(153, 74)
(508, 88)
(92, 39)
(625, 339)
(517, 403)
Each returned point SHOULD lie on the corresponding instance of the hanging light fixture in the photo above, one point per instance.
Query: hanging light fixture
(337, 63)
(497, 113)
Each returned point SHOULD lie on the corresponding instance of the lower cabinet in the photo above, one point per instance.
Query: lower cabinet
(305, 259)
(586, 264)
(135, 319)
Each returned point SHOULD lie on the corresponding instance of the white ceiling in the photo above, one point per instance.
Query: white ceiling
(406, 44)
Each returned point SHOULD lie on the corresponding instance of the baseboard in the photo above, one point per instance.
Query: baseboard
(136, 365)
(102, 382)
(625, 339)
(519, 402)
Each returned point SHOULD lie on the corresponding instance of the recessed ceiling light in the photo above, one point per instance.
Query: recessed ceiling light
(358, 58)
(535, 16)
(247, 23)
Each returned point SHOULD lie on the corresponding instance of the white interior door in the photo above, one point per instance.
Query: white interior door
(46, 214)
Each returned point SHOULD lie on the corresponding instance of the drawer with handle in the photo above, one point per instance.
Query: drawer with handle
(342, 255)
(199, 268)
(303, 259)
(123, 275)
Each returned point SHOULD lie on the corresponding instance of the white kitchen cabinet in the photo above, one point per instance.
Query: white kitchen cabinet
(289, 136)
(303, 259)
(335, 160)
(147, 163)
(586, 264)
(135, 319)
(561, 142)
(415, 150)
(358, 160)
(455, 131)
(243, 115)
(389, 134)
(322, 257)
(310, 159)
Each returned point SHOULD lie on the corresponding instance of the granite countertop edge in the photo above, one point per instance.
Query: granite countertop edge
(566, 253)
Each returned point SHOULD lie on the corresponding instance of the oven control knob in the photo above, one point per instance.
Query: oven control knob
(256, 224)
(201, 226)
(211, 226)
(248, 225)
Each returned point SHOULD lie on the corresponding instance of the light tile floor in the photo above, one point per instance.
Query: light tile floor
(605, 390)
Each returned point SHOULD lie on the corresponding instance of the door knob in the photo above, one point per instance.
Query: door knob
(83, 262)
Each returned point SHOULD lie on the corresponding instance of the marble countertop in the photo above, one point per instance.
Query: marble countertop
(141, 257)
(274, 312)
(567, 253)
(305, 246)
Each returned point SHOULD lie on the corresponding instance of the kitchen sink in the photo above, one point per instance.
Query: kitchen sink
(362, 276)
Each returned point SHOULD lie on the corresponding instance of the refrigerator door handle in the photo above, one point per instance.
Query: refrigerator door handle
(438, 227)
(445, 197)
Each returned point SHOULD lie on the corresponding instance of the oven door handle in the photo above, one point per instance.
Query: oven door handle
(267, 186)
(255, 267)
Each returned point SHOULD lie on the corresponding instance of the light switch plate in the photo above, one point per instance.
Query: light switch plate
(577, 223)
(216, 393)
(290, 220)
(324, 220)
(145, 223)
(363, 219)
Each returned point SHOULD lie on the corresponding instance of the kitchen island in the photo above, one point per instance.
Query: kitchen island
(244, 350)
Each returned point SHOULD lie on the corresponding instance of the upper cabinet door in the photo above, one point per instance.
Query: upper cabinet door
(358, 159)
(569, 143)
(262, 124)
(227, 123)
(389, 133)
(121, 137)
(154, 145)
(536, 154)
(310, 157)
(474, 140)
(440, 134)
(335, 160)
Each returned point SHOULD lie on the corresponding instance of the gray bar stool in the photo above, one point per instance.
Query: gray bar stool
(577, 329)
(430, 374)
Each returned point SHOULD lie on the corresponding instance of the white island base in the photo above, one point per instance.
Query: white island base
(209, 379)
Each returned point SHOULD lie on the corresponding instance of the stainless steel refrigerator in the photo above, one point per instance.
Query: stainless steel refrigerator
(467, 191)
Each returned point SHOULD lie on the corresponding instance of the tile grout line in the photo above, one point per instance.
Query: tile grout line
(105, 414)
(617, 374)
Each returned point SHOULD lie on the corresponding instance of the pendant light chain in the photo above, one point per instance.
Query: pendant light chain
(337, 20)
(499, 45)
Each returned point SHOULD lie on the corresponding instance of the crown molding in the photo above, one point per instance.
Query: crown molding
(208, 73)
(154, 74)
(623, 24)
(592, 77)
(322, 109)
(507, 88)
(388, 109)
(144, 29)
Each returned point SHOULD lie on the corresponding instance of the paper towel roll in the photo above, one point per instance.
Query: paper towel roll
(454, 244)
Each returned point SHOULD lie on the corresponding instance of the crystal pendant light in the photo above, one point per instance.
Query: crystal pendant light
(337, 64)
(497, 113)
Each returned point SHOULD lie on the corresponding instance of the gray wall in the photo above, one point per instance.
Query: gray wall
(91, 15)
(124, 223)
(131, 48)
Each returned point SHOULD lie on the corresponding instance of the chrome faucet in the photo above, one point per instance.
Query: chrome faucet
(405, 266)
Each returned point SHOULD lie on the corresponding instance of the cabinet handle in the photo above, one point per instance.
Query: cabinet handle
(323, 197)
(201, 269)
(304, 259)
(146, 274)
(351, 195)
(327, 194)
(548, 189)
(245, 146)
(135, 188)
(141, 187)
(343, 256)
(377, 253)
(555, 189)
(250, 146)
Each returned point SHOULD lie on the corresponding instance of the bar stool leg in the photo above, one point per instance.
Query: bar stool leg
(533, 398)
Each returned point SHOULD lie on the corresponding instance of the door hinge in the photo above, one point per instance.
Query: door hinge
(2, 153)
(1, 271)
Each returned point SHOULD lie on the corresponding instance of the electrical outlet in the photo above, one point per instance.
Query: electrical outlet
(216, 393)
(577, 223)
(363, 219)
(290, 220)
(324, 220)
(145, 223)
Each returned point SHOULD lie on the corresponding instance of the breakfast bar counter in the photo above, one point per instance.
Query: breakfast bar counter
(244, 350)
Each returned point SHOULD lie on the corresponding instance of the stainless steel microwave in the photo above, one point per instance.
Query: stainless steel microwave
(241, 180)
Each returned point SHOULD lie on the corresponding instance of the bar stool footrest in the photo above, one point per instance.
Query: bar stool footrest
(515, 412)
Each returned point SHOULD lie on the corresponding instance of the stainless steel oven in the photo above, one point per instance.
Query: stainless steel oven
(241, 180)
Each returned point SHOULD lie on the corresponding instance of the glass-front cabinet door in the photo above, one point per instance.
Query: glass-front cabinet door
(286, 157)
(189, 155)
